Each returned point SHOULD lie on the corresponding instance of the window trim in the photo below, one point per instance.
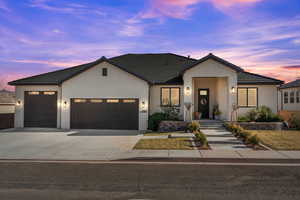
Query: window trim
(287, 97)
(297, 96)
(104, 71)
(170, 96)
(247, 88)
(292, 97)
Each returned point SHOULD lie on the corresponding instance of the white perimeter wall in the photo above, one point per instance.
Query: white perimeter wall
(117, 84)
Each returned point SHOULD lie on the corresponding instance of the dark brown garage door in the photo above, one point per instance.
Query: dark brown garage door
(105, 114)
(40, 109)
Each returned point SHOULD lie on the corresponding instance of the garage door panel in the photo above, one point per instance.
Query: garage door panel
(106, 114)
(40, 110)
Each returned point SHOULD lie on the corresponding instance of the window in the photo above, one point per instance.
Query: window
(96, 100)
(292, 97)
(298, 96)
(49, 93)
(129, 101)
(170, 96)
(33, 93)
(80, 100)
(104, 71)
(286, 97)
(247, 97)
(112, 100)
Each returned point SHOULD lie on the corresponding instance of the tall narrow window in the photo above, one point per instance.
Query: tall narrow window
(104, 71)
(298, 96)
(247, 97)
(292, 97)
(170, 96)
(286, 97)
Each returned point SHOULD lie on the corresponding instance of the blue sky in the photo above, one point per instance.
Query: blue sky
(37, 36)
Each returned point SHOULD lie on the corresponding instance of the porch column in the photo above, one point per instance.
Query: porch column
(232, 94)
(188, 96)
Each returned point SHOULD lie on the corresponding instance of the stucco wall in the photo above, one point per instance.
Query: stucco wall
(7, 108)
(118, 84)
(267, 96)
(155, 98)
(209, 69)
(19, 109)
(289, 106)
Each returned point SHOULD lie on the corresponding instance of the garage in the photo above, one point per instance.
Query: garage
(105, 114)
(40, 109)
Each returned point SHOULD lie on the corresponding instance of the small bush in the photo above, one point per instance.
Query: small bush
(155, 119)
(294, 122)
(194, 126)
(253, 140)
(201, 137)
(244, 119)
(260, 114)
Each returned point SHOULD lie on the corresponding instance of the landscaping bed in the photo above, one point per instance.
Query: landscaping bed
(165, 144)
(279, 140)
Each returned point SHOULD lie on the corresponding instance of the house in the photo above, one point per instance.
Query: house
(290, 96)
(7, 109)
(7, 102)
(121, 92)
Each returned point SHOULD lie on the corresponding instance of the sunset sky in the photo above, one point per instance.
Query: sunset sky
(36, 36)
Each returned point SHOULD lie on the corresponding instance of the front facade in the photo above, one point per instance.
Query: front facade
(121, 92)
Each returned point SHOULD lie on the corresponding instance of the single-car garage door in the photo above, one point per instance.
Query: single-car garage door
(105, 114)
(40, 109)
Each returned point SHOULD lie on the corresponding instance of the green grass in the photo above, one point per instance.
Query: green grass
(159, 134)
(279, 140)
(165, 144)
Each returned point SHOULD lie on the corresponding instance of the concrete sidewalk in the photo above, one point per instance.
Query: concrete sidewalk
(228, 154)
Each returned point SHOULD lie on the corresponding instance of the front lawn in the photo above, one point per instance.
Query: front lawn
(165, 144)
(160, 134)
(279, 140)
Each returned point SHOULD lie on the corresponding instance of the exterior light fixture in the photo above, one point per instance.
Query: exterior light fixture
(233, 90)
(144, 109)
(187, 90)
(65, 104)
(18, 103)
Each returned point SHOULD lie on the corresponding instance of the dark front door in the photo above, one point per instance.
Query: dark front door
(40, 109)
(105, 114)
(203, 103)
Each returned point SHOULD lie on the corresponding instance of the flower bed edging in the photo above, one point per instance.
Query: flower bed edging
(261, 125)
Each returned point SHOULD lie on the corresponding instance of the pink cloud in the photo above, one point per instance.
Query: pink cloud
(182, 9)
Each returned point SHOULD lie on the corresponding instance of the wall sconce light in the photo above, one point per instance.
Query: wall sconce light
(233, 90)
(144, 107)
(65, 104)
(18, 103)
(187, 90)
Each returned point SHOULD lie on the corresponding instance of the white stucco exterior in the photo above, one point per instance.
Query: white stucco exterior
(117, 84)
(212, 69)
(19, 109)
(266, 96)
(155, 95)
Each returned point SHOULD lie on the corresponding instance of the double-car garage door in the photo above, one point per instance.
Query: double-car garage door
(104, 114)
(40, 110)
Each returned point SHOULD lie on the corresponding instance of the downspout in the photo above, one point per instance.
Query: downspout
(148, 105)
(61, 105)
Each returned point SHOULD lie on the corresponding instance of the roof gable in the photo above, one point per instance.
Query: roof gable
(292, 84)
(215, 58)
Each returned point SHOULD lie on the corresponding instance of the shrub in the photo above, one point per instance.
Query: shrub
(155, 119)
(261, 114)
(171, 112)
(294, 122)
(253, 140)
(201, 137)
(194, 126)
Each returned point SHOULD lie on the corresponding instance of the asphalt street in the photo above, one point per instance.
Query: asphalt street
(146, 181)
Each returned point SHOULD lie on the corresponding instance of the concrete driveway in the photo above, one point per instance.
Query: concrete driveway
(55, 144)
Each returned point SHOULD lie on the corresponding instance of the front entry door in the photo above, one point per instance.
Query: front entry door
(203, 103)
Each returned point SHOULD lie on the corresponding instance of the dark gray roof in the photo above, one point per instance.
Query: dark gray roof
(250, 78)
(164, 68)
(295, 83)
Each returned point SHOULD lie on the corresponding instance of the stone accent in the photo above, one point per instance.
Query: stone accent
(169, 126)
(261, 125)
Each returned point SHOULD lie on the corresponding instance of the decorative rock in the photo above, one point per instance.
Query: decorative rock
(169, 126)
